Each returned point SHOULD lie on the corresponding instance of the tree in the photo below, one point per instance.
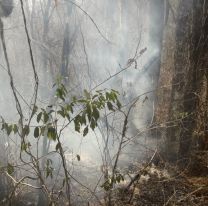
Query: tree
(182, 89)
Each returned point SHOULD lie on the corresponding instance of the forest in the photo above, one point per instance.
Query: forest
(103, 102)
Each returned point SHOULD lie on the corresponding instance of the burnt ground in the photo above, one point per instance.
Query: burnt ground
(163, 185)
(167, 185)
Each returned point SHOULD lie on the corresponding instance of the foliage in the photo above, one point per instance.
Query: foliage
(83, 112)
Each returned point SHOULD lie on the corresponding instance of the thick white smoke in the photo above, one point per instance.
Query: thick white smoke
(103, 37)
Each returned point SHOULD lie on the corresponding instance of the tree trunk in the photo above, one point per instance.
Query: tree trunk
(181, 112)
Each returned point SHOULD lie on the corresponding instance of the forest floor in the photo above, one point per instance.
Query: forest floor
(167, 185)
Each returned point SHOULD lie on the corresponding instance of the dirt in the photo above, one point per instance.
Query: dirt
(165, 186)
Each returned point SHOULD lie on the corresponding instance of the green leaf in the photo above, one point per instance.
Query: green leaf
(107, 185)
(52, 133)
(78, 157)
(3, 126)
(77, 123)
(68, 117)
(118, 104)
(116, 92)
(89, 111)
(101, 98)
(49, 172)
(87, 94)
(77, 126)
(107, 95)
(69, 108)
(15, 128)
(26, 130)
(95, 113)
(110, 106)
(9, 129)
(36, 132)
(119, 178)
(45, 117)
(62, 113)
(39, 117)
(72, 109)
(112, 96)
(60, 93)
(83, 119)
(74, 99)
(35, 109)
(10, 169)
(64, 88)
(24, 146)
(94, 96)
(42, 130)
(93, 124)
(85, 132)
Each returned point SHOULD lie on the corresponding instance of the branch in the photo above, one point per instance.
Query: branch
(31, 57)
(18, 105)
(91, 19)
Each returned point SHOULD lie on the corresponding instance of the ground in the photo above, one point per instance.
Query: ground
(167, 185)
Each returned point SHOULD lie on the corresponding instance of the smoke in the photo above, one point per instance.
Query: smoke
(103, 36)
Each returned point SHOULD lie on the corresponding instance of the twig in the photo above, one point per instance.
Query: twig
(92, 20)
(117, 73)
(18, 105)
(21, 181)
(32, 59)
